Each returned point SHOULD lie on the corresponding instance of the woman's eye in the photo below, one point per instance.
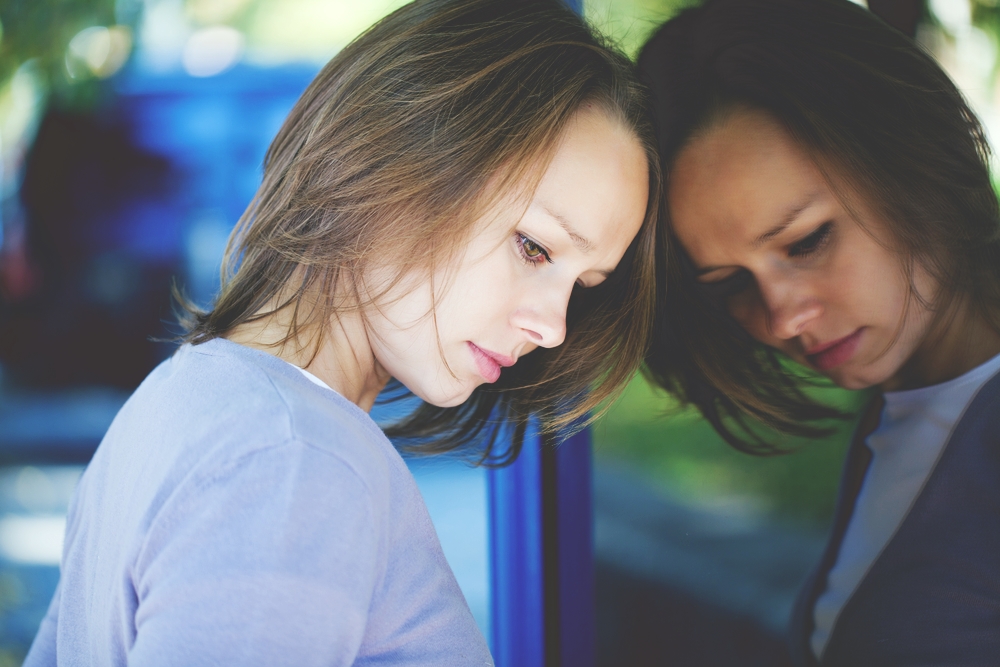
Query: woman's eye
(729, 286)
(812, 243)
(531, 251)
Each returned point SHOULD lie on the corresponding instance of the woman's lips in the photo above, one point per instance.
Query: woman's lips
(489, 363)
(828, 355)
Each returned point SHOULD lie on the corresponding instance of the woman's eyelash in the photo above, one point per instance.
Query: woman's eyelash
(812, 243)
(531, 251)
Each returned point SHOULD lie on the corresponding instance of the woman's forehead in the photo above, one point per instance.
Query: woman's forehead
(743, 175)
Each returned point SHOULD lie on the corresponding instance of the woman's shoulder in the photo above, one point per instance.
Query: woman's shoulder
(211, 405)
(216, 427)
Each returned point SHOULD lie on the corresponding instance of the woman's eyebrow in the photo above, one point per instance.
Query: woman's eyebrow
(579, 240)
(786, 220)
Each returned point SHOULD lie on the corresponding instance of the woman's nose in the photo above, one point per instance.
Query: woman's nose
(789, 307)
(542, 318)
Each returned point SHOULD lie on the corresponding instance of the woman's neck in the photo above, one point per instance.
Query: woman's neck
(959, 340)
(343, 359)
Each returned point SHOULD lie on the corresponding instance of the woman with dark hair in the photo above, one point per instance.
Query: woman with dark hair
(468, 183)
(829, 203)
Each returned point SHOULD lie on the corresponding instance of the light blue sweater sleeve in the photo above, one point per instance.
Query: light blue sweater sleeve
(235, 513)
(268, 562)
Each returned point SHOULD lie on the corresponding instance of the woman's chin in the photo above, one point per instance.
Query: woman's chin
(444, 399)
(847, 380)
(852, 384)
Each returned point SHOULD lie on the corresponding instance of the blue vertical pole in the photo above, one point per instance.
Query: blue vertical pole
(542, 556)
(517, 617)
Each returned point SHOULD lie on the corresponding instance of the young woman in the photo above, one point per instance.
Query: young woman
(462, 189)
(829, 203)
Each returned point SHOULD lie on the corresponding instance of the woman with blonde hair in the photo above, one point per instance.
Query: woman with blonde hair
(462, 201)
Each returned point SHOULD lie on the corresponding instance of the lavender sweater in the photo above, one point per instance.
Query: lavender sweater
(237, 513)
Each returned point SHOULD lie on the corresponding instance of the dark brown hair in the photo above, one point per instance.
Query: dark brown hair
(869, 105)
(408, 136)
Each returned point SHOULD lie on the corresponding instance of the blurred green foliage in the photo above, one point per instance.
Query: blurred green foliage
(41, 30)
(631, 22)
(986, 17)
(674, 446)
